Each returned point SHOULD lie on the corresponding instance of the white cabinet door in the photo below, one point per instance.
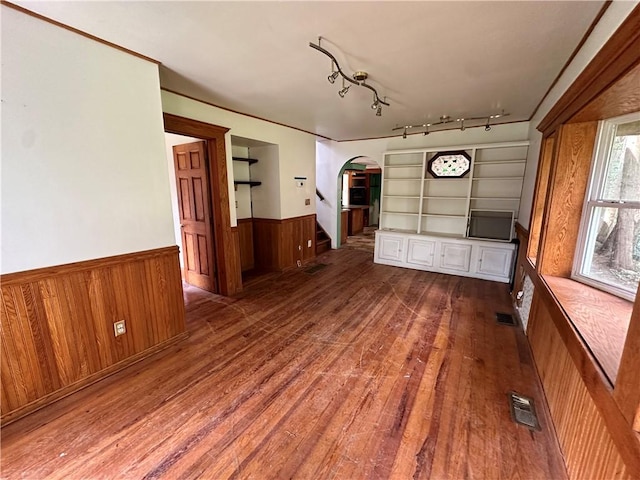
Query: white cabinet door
(455, 256)
(421, 252)
(389, 248)
(494, 261)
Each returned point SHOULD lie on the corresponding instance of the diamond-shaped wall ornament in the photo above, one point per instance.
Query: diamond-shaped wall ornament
(454, 164)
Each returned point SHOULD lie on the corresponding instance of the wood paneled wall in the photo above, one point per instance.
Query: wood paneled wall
(279, 244)
(245, 236)
(588, 448)
(57, 323)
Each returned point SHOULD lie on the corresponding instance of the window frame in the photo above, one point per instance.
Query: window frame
(588, 229)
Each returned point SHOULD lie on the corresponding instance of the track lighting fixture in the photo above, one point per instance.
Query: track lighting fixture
(358, 78)
(460, 123)
(344, 90)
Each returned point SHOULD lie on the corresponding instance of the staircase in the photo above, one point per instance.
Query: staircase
(323, 242)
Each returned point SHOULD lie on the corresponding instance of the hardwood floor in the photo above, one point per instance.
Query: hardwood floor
(350, 371)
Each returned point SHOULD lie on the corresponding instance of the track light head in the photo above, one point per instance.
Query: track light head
(487, 128)
(358, 78)
(404, 133)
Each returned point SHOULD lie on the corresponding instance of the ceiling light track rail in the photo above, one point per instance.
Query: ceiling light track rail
(358, 78)
(456, 124)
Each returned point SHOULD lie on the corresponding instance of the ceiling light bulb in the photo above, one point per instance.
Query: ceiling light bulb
(374, 105)
(332, 77)
(344, 91)
(379, 111)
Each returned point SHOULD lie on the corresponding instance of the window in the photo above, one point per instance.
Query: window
(609, 243)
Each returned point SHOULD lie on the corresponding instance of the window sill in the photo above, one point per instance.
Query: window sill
(601, 319)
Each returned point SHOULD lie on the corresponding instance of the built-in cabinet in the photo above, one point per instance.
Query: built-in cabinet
(461, 224)
(465, 256)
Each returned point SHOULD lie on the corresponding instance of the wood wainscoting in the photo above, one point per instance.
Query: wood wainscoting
(585, 439)
(279, 244)
(245, 236)
(57, 323)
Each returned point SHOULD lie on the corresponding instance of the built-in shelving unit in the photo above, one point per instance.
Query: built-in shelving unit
(442, 224)
(414, 201)
(250, 161)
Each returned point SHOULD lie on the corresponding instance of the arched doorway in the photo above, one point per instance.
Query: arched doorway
(365, 194)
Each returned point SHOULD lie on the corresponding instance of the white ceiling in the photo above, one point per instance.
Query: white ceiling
(461, 59)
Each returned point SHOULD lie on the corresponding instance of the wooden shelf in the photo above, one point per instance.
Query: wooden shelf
(447, 215)
(477, 179)
(247, 182)
(442, 198)
(250, 161)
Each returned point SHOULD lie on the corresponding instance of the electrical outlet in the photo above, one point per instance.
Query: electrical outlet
(307, 201)
(309, 243)
(119, 328)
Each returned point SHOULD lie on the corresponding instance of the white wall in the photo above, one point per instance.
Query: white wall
(296, 153)
(608, 24)
(84, 172)
(267, 198)
(242, 171)
(331, 156)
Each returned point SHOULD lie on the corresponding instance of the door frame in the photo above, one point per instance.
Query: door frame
(348, 165)
(225, 238)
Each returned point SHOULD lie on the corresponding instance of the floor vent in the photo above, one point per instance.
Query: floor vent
(314, 268)
(523, 411)
(506, 319)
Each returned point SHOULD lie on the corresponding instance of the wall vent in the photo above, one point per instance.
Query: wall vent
(523, 411)
(506, 319)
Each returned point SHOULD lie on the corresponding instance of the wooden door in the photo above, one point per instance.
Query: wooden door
(196, 222)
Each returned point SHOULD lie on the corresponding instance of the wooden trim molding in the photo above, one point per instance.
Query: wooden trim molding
(226, 243)
(76, 31)
(586, 35)
(38, 274)
(617, 57)
(57, 324)
(175, 92)
(627, 389)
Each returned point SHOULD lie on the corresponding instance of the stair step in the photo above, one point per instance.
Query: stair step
(323, 246)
